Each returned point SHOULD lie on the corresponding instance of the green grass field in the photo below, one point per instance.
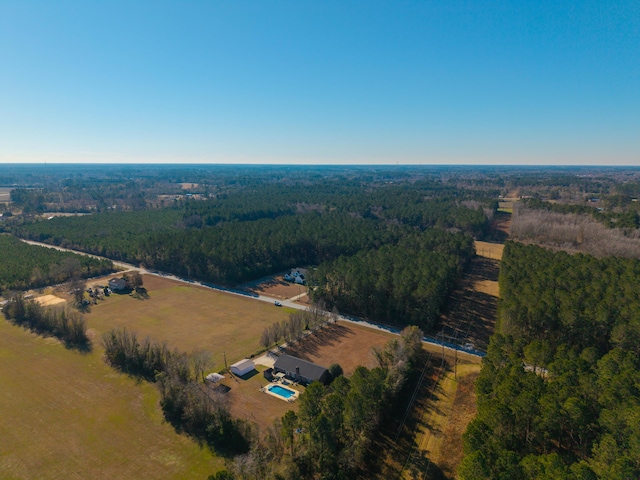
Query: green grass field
(189, 318)
(65, 414)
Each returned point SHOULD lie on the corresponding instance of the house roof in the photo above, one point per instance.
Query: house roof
(307, 369)
(244, 363)
(117, 283)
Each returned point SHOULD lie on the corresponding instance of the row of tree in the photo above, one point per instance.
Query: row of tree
(69, 326)
(24, 266)
(186, 401)
(294, 328)
(559, 391)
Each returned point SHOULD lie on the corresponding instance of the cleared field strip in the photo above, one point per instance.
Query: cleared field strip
(451, 405)
(489, 250)
(69, 415)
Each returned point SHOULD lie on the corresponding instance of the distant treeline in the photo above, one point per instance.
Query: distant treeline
(68, 326)
(559, 391)
(630, 218)
(24, 266)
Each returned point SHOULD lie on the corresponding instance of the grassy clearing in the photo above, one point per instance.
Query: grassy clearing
(68, 415)
(489, 250)
(463, 410)
(188, 318)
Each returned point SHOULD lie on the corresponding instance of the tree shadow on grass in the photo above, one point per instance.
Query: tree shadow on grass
(140, 294)
(309, 346)
(85, 347)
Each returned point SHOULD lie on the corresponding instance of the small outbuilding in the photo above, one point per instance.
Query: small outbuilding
(117, 284)
(214, 377)
(242, 367)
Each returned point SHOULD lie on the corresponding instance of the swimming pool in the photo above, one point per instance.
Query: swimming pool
(283, 392)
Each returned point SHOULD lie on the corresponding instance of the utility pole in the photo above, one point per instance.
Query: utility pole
(224, 355)
(455, 365)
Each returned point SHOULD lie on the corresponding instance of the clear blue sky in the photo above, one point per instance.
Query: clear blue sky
(446, 82)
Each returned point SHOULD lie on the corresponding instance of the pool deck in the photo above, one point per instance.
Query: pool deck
(292, 398)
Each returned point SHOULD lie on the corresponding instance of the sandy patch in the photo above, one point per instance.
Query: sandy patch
(49, 300)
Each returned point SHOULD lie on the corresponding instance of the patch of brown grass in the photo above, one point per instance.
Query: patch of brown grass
(69, 415)
(344, 343)
(489, 250)
(463, 410)
(189, 318)
(248, 402)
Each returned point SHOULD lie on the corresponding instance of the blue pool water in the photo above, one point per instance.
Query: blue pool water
(283, 392)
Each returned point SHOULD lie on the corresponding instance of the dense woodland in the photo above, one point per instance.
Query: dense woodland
(559, 392)
(24, 266)
(405, 283)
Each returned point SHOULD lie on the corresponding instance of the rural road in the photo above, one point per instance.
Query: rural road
(290, 303)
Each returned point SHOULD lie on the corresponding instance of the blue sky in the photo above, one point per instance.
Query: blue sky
(425, 82)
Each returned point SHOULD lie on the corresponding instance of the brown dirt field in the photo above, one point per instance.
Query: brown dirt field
(49, 300)
(344, 343)
(502, 222)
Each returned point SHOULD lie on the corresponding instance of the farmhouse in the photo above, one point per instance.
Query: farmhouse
(300, 370)
(242, 367)
(117, 284)
(296, 276)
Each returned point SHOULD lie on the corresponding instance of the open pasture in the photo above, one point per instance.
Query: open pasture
(69, 415)
(189, 318)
